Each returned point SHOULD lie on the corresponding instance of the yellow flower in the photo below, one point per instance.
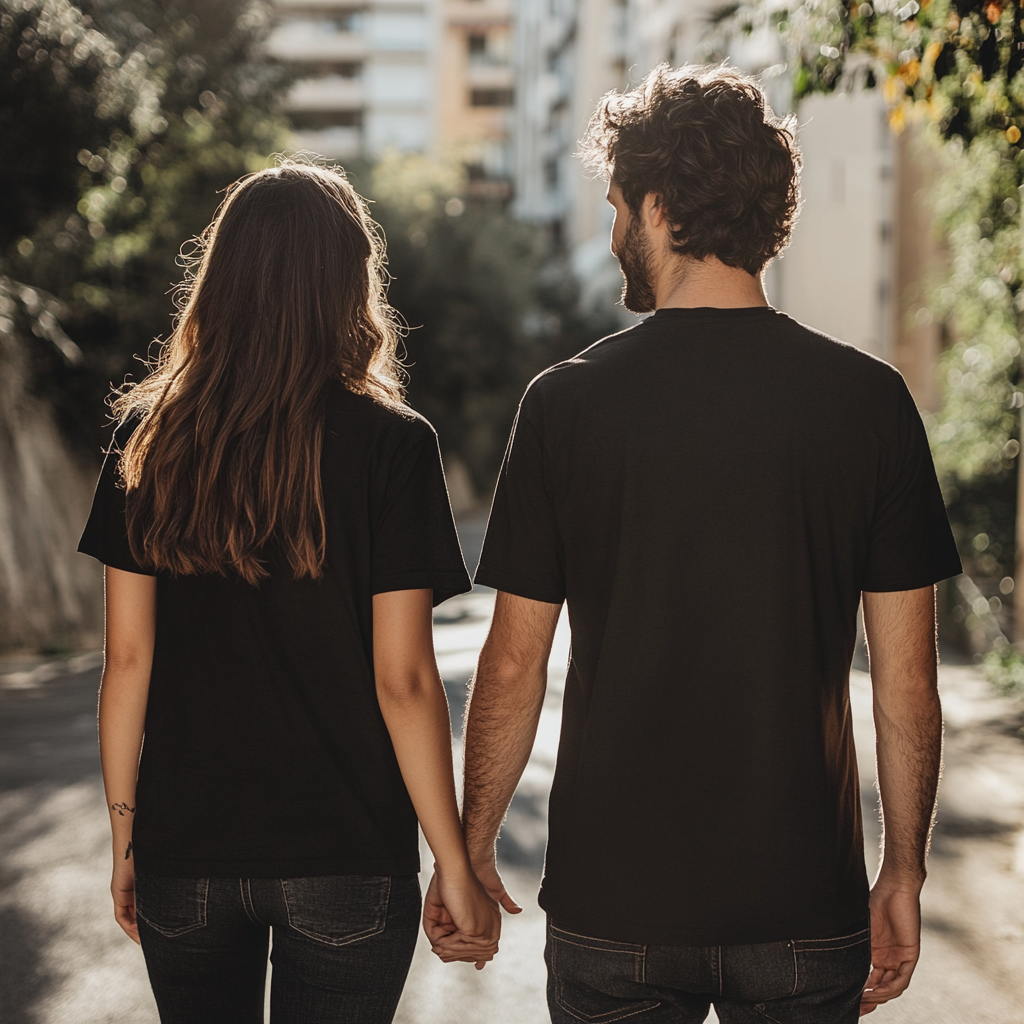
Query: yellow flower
(931, 53)
(910, 71)
(1013, 133)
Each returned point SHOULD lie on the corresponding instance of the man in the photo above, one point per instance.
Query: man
(712, 491)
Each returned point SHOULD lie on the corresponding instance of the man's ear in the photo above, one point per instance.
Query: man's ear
(654, 210)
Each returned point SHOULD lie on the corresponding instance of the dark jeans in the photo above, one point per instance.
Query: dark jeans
(342, 947)
(802, 981)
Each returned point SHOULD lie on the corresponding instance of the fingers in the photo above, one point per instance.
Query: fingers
(124, 915)
(508, 903)
(885, 983)
(461, 948)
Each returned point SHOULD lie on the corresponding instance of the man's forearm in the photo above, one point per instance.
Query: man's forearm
(502, 716)
(501, 724)
(909, 758)
(900, 631)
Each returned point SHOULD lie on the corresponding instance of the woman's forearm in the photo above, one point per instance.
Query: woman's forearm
(124, 693)
(123, 698)
(415, 711)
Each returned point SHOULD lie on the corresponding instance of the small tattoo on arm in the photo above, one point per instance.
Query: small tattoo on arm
(128, 852)
(121, 808)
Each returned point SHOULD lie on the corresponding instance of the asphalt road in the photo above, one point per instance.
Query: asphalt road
(64, 961)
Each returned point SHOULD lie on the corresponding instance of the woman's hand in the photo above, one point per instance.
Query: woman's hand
(462, 922)
(122, 888)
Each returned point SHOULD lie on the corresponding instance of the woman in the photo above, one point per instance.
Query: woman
(275, 529)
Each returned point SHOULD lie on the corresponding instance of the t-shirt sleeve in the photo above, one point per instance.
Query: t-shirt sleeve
(415, 544)
(523, 552)
(911, 544)
(106, 532)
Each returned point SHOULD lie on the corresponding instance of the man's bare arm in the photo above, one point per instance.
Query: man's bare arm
(900, 632)
(501, 723)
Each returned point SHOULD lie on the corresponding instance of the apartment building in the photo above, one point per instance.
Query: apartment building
(476, 92)
(862, 246)
(367, 71)
(420, 75)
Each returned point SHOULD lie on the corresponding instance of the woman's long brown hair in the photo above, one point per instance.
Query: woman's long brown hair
(288, 294)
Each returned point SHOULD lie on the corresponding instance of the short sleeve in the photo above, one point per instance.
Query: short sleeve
(911, 545)
(523, 553)
(106, 532)
(415, 544)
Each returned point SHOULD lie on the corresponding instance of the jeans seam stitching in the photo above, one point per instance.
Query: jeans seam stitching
(603, 1018)
(829, 949)
(247, 904)
(796, 970)
(839, 938)
(576, 935)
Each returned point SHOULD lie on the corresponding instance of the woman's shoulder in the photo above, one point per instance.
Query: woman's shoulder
(391, 422)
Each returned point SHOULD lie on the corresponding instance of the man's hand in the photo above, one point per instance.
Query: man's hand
(487, 872)
(895, 942)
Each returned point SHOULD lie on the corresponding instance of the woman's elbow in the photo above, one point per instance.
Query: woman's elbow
(395, 689)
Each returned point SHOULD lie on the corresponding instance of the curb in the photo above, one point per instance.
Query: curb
(30, 679)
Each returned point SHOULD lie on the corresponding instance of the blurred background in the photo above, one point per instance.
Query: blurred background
(122, 121)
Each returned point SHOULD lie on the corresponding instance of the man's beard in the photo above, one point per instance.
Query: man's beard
(634, 257)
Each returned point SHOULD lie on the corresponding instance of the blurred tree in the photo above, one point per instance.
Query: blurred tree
(122, 121)
(954, 68)
(488, 305)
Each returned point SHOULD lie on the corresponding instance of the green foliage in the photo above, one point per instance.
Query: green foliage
(953, 69)
(1004, 668)
(125, 121)
(487, 305)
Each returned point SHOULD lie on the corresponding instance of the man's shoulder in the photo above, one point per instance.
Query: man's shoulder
(840, 356)
(575, 372)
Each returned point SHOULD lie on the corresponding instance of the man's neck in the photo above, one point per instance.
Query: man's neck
(687, 283)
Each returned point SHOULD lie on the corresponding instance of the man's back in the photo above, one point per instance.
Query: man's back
(710, 491)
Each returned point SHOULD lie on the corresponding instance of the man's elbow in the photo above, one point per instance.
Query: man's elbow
(913, 695)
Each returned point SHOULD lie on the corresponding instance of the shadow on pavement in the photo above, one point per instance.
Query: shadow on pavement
(23, 980)
(48, 733)
(47, 741)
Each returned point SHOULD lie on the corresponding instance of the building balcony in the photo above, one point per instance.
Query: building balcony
(338, 142)
(309, 40)
(330, 92)
(489, 76)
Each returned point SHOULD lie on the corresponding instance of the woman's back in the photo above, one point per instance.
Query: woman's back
(269, 689)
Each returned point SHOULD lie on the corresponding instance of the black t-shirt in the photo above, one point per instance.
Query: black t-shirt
(265, 753)
(710, 491)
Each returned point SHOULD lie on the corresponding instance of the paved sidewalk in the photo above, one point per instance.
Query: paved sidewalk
(66, 962)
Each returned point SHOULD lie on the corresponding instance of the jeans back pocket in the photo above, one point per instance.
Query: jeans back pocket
(337, 909)
(838, 963)
(596, 980)
(171, 906)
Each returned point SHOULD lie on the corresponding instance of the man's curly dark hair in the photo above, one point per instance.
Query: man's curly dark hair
(705, 140)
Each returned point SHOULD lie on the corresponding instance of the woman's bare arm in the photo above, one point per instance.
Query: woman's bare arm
(415, 710)
(124, 692)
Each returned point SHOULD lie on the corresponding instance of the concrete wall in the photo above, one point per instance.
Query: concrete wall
(50, 596)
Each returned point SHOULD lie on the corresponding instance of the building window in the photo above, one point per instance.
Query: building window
(476, 43)
(323, 68)
(490, 98)
(340, 18)
(551, 173)
(315, 120)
